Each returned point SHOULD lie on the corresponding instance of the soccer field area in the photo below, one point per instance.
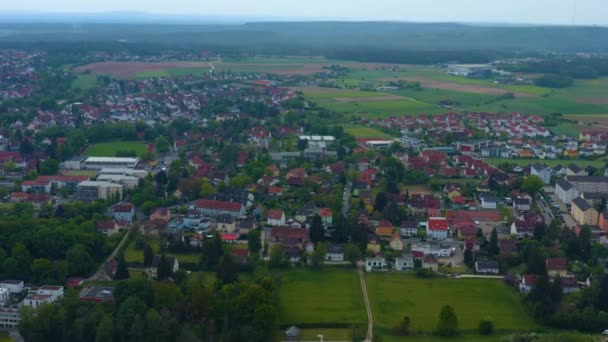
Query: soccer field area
(112, 149)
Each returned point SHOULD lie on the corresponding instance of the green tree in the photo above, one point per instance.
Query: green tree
(41, 270)
(49, 167)
(227, 270)
(380, 202)
(161, 144)
(532, 184)
(277, 256)
(105, 330)
(486, 327)
(448, 322)
(317, 232)
(122, 271)
(403, 327)
(148, 255)
(206, 188)
(318, 255)
(23, 257)
(493, 248)
(79, 260)
(352, 253)
(254, 241)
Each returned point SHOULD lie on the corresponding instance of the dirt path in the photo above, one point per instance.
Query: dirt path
(97, 274)
(370, 318)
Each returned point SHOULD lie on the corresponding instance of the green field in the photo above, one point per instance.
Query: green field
(366, 132)
(84, 81)
(568, 129)
(135, 256)
(88, 173)
(321, 297)
(112, 148)
(396, 295)
(598, 163)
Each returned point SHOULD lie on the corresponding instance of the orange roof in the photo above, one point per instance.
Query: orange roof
(325, 212)
(384, 231)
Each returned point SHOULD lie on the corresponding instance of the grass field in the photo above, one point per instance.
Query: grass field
(567, 129)
(396, 295)
(112, 148)
(321, 297)
(88, 173)
(598, 163)
(135, 256)
(84, 81)
(366, 132)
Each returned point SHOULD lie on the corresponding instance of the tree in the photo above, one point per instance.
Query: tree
(254, 241)
(105, 330)
(122, 271)
(41, 270)
(206, 188)
(532, 184)
(227, 270)
(23, 257)
(403, 327)
(535, 260)
(302, 144)
(49, 167)
(352, 253)
(493, 246)
(165, 268)
(486, 327)
(318, 256)
(380, 202)
(448, 322)
(161, 144)
(469, 259)
(277, 256)
(79, 261)
(148, 255)
(317, 232)
(212, 251)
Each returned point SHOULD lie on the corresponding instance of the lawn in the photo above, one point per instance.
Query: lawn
(329, 334)
(112, 148)
(568, 129)
(135, 256)
(321, 297)
(84, 81)
(88, 173)
(396, 295)
(598, 163)
(366, 132)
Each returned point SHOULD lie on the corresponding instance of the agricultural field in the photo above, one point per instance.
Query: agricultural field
(396, 295)
(113, 148)
(321, 297)
(366, 132)
(523, 162)
(84, 81)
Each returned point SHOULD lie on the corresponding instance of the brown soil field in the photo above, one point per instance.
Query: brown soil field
(597, 101)
(596, 120)
(130, 69)
(467, 88)
(369, 99)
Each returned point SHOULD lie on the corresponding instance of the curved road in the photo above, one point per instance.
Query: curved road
(368, 308)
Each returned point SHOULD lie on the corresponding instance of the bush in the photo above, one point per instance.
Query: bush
(554, 81)
(486, 327)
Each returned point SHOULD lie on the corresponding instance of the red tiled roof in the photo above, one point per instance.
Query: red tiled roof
(229, 237)
(218, 205)
(123, 208)
(275, 214)
(557, 264)
(438, 223)
(289, 233)
(63, 178)
(325, 212)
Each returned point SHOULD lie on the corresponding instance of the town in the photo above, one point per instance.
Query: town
(222, 204)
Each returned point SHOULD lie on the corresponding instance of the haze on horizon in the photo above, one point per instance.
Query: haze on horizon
(555, 12)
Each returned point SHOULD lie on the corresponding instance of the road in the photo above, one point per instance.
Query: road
(476, 276)
(97, 275)
(546, 211)
(370, 318)
(346, 199)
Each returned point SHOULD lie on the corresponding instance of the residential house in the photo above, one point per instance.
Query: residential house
(507, 246)
(565, 191)
(293, 253)
(152, 271)
(603, 221)
(437, 228)
(524, 226)
(326, 217)
(384, 229)
(335, 252)
(226, 223)
(107, 227)
(124, 212)
(557, 267)
(396, 242)
(276, 217)
(161, 214)
(215, 208)
(287, 234)
(583, 213)
(408, 228)
(569, 285)
(542, 171)
(374, 244)
(522, 204)
(430, 262)
(488, 201)
(97, 294)
(13, 286)
(487, 266)
(375, 264)
(528, 281)
(404, 263)
(575, 170)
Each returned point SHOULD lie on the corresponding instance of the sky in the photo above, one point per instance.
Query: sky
(588, 12)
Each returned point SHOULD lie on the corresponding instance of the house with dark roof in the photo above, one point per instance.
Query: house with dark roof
(575, 170)
(335, 252)
(557, 267)
(487, 266)
(524, 226)
(152, 271)
(565, 191)
(542, 171)
(408, 228)
(97, 294)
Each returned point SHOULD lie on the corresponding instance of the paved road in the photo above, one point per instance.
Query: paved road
(97, 275)
(370, 318)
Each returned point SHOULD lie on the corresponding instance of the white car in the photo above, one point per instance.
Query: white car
(605, 332)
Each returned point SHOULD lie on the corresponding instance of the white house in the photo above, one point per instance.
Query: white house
(543, 172)
(56, 292)
(14, 286)
(375, 264)
(35, 300)
(566, 191)
(335, 253)
(487, 266)
(408, 228)
(404, 263)
(488, 201)
(5, 295)
(124, 212)
(276, 217)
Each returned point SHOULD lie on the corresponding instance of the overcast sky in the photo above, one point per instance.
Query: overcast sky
(589, 12)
